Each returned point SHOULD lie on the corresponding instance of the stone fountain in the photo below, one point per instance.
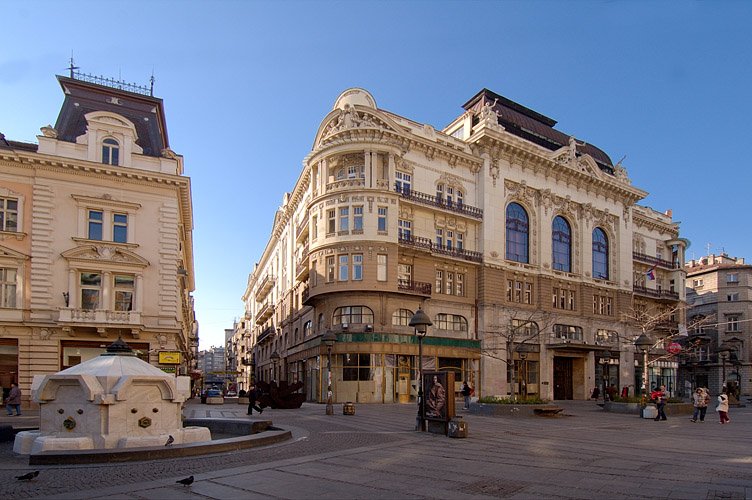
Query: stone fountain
(114, 401)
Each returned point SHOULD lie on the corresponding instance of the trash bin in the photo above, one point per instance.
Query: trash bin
(348, 408)
(457, 428)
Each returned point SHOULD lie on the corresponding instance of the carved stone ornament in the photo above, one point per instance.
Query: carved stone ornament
(69, 423)
(49, 131)
(144, 422)
(350, 118)
(489, 117)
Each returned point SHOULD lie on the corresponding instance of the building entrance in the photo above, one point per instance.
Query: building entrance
(563, 386)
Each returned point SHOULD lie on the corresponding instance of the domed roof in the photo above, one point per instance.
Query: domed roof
(355, 96)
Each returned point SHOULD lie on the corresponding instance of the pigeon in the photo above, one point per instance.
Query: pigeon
(30, 476)
(170, 440)
(186, 482)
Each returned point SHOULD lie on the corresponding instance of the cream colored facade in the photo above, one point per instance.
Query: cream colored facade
(390, 215)
(103, 244)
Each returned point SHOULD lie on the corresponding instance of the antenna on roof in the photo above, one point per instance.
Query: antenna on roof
(622, 159)
(151, 81)
(72, 66)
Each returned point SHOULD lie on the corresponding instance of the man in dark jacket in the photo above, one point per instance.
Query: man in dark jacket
(253, 395)
(14, 400)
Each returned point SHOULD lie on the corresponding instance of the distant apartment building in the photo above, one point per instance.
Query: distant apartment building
(524, 245)
(211, 363)
(95, 237)
(719, 297)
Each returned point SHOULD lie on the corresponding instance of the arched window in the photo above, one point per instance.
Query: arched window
(307, 328)
(110, 152)
(352, 315)
(401, 317)
(517, 233)
(600, 254)
(561, 236)
(320, 326)
(451, 322)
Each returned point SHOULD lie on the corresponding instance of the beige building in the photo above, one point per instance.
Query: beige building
(522, 244)
(720, 289)
(95, 237)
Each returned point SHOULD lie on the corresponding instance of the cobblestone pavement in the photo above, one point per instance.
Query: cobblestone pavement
(376, 454)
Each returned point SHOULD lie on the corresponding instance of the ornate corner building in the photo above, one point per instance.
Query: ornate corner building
(95, 237)
(525, 247)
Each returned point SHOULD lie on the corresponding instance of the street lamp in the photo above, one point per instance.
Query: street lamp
(420, 321)
(723, 351)
(644, 344)
(275, 359)
(329, 338)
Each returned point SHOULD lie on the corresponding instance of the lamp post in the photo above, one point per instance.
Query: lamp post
(724, 356)
(420, 321)
(329, 338)
(643, 343)
(275, 359)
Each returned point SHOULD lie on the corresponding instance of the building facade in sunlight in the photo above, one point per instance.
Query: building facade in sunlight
(95, 237)
(525, 246)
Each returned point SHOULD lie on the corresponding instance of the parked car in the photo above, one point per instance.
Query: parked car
(213, 393)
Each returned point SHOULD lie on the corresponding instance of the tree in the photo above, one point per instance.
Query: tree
(513, 331)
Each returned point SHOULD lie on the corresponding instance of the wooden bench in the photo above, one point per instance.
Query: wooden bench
(548, 411)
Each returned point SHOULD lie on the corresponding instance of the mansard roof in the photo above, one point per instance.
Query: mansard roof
(532, 126)
(83, 97)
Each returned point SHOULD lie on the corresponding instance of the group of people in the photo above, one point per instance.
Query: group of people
(700, 401)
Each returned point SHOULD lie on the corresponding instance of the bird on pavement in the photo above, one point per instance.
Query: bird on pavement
(170, 440)
(29, 476)
(186, 482)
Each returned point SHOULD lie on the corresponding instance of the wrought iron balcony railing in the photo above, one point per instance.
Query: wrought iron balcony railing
(654, 293)
(414, 287)
(653, 261)
(439, 202)
(433, 247)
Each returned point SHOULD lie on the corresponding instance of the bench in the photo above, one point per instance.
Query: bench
(548, 411)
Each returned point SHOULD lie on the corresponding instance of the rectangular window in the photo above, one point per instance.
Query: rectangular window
(449, 239)
(521, 292)
(357, 266)
(439, 238)
(449, 283)
(732, 278)
(314, 273)
(403, 183)
(528, 293)
(518, 291)
(732, 297)
(344, 267)
(358, 219)
(91, 288)
(330, 269)
(344, 219)
(439, 281)
(382, 220)
(314, 227)
(405, 274)
(7, 287)
(732, 323)
(120, 228)
(460, 241)
(510, 287)
(331, 227)
(9, 215)
(697, 283)
(124, 287)
(381, 267)
(565, 299)
(460, 287)
(405, 229)
(95, 225)
(449, 195)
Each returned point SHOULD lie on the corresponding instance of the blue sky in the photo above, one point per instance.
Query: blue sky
(246, 84)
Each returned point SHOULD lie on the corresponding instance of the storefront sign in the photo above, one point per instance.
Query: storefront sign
(169, 357)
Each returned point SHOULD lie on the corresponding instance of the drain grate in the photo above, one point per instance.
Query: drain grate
(495, 488)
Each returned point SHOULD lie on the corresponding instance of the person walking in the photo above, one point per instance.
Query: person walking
(253, 395)
(700, 400)
(660, 403)
(723, 407)
(13, 401)
(466, 394)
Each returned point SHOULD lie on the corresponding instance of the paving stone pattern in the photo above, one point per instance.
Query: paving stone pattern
(586, 453)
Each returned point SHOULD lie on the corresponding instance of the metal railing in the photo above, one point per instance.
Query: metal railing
(657, 294)
(433, 247)
(414, 286)
(655, 261)
(439, 202)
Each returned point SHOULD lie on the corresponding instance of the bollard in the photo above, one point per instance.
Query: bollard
(348, 409)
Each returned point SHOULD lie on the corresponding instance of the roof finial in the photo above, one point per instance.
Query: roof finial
(72, 66)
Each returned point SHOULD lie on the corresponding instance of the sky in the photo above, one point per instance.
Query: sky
(245, 84)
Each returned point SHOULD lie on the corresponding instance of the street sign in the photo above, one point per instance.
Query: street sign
(674, 348)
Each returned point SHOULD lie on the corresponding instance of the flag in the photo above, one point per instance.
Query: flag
(650, 274)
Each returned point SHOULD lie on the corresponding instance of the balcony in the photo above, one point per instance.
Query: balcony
(305, 294)
(346, 184)
(415, 287)
(302, 229)
(441, 203)
(655, 294)
(430, 246)
(653, 261)
(99, 316)
(268, 332)
(264, 312)
(265, 285)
